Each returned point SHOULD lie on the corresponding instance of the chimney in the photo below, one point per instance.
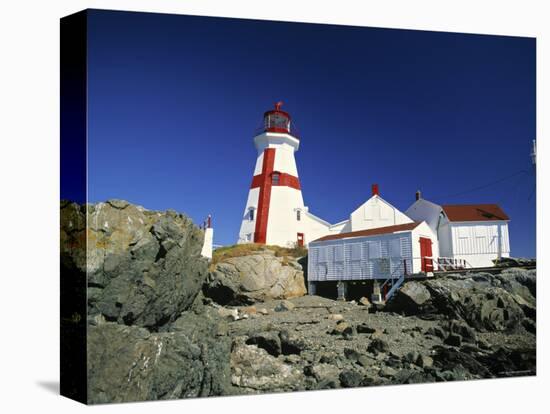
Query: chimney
(375, 190)
(418, 195)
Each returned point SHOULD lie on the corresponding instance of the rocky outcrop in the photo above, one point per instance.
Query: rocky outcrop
(129, 363)
(149, 335)
(487, 302)
(256, 277)
(514, 262)
(143, 267)
(253, 369)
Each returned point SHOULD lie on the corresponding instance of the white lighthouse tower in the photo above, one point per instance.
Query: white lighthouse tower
(275, 211)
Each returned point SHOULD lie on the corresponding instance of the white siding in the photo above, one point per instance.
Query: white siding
(359, 258)
(445, 239)
(282, 224)
(376, 212)
(342, 227)
(246, 233)
(285, 161)
(259, 163)
(477, 242)
(424, 210)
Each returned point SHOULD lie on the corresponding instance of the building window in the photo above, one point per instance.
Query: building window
(251, 214)
(275, 177)
(298, 215)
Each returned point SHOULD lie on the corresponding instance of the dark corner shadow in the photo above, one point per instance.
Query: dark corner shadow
(51, 386)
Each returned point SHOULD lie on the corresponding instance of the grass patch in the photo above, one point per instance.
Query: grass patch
(238, 250)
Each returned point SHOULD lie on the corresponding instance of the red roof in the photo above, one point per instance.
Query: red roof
(371, 232)
(475, 212)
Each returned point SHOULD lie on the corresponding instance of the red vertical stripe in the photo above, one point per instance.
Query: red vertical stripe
(265, 196)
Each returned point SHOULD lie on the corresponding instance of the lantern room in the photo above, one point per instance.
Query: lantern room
(277, 120)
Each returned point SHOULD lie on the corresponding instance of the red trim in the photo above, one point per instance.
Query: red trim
(264, 196)
(277, 129)
(426, 254)
(275, 111)
(257, 180)
(285, 180)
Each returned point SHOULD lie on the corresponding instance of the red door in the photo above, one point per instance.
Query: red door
(300, 239)
(426, 254)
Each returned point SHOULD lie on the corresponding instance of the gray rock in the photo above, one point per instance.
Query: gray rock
(120, 204)
(463, 330)
(350, 379)
(323, 373)
(514, 261)
(254, 369)
(482, 305)
(387, 371)
(284, 306)
(436, 331)
(410, 298)
(345, 329)
(269, 341)
(378, 345)
(425, 361)
(144, 267)
(530, 326)
(291, 343)
(256, 277)
(127, 363)
(453, 340)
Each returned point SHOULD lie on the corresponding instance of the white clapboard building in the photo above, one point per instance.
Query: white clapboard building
(470, 235)
(377, 242)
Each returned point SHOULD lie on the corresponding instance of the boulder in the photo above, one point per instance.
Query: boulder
(324, 373)
(350, 378)
(128, 363)
(143, 267)
(378, 345)
(344, 328)
(284, 305)
(269, 341)
(254, 369)
(410, 298)
(256, 277)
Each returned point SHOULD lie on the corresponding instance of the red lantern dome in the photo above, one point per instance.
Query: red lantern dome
(277, 120)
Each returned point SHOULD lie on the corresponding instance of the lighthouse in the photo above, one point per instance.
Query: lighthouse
(275, 212)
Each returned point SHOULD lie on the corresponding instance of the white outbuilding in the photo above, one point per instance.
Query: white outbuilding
(384, 255)
(469, 235)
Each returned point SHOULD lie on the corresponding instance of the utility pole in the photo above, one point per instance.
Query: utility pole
(534, 154)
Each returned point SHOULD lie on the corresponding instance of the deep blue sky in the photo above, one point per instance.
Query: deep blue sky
(174, 101)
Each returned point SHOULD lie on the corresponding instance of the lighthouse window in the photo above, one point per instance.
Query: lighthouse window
(251, 214)
(275, 179)
(298, 215)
